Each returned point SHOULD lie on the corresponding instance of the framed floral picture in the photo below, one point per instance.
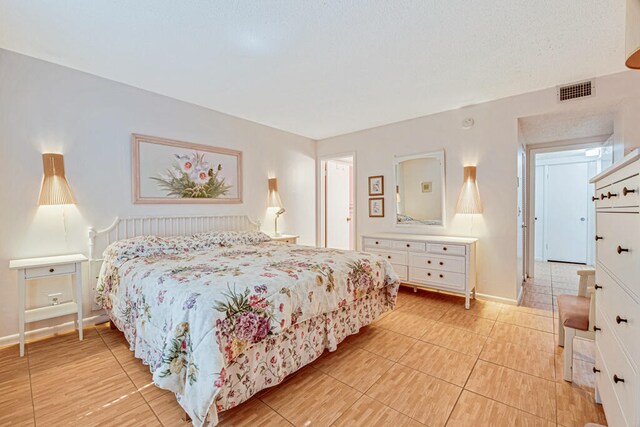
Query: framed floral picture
(376, 185)
(376, 207)
(168, 171)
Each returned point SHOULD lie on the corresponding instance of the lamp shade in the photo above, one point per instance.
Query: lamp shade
(469, 200)
(274, 196)
(632, 34)
(55, 188)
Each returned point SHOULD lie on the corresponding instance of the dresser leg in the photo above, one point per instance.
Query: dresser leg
(467, 302)
(78, 282)
(415, 290)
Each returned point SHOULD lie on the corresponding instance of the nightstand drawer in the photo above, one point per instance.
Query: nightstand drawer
(54, 270)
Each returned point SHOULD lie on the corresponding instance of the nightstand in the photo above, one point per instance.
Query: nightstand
(285, 238)
(41, 268)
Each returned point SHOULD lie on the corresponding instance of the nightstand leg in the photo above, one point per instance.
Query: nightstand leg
(78, 282)
(21, 308)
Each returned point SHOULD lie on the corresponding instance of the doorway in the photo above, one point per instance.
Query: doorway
(563, 215)
(337, 202)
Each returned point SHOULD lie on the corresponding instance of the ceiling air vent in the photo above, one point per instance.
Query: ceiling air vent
(583, 89)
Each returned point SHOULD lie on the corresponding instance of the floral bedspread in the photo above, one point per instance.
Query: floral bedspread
(189, 306)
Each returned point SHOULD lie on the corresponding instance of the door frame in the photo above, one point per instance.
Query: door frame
(549, 147)
(320, 192)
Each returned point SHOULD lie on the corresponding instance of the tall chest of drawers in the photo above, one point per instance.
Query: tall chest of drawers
(434, 262)
(617, 367)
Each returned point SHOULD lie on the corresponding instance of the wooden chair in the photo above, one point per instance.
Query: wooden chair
(577, 316)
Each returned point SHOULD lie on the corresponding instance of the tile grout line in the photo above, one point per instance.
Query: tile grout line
(127, 374)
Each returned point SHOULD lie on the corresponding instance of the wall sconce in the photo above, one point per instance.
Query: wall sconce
(275, 202)
(632, 35)
(469, 200)
(55, 188)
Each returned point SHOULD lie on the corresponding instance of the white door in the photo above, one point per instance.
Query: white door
(567, 209)
(522, 225)
(338, 204)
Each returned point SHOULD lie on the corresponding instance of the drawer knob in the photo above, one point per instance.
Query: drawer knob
(441, 263)
(596, 286)
(620, 249)
(595, 370)
(599, 237)
(444, 249)
(617, 379)
(610, 195)
(429, 262)
(594, 198)
(626, 191)
(621, 320)
(596, 329)
(389, 256)
(441, 276)
(603, 196)
(376, 243)
(428, 274)
(408, 245)
(51, 270)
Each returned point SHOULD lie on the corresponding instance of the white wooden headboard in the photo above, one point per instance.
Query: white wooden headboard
(124, 228)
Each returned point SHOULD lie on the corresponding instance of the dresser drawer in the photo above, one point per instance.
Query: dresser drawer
(612, 409)
(616, 365)
(624, 193)
(392, 257)
(445, 249)
(32, 273)
(443, 279)
(614, 302)
(619, 248)
(441, 263)
(401, 271)
(377, 243)
(410, 246)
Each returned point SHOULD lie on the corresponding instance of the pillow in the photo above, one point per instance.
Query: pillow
(231, 238)
(143, 246)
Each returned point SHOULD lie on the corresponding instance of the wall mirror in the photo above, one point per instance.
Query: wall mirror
(420, 196)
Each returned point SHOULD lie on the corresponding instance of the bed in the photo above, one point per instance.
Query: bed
(219, 312)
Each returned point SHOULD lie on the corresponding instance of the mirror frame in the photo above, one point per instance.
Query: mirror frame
(439, 155)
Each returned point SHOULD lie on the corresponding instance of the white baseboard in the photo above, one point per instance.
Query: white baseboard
(501, 300)
(52, 330)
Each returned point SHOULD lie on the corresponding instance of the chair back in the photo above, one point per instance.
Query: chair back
(587, 288)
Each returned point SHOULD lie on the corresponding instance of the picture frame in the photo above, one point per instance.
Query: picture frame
(376, 185)
(376, 207)
(166, 171)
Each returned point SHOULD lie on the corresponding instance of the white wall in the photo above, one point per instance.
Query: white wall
(491, 145)
(45, 107)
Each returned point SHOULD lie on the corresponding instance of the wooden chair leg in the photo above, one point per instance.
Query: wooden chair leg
(560, 333)
(185, 416)
(569, 334)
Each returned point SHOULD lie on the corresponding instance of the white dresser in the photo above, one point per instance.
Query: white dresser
(617, 365)
(434, 262)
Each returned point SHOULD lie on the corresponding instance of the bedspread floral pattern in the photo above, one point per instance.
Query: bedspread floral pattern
(192, 306)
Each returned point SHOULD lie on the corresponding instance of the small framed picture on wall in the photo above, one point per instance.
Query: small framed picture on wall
(376, 185)
(376, 207)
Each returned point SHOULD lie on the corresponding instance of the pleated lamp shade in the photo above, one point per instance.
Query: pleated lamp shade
(55, 188)
(469, 200)
(632, 34)
(274, 196)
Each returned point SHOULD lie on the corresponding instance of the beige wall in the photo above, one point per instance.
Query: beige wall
(45, 107)
(491, 145)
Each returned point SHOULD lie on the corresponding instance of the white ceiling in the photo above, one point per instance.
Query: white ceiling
(323, 68)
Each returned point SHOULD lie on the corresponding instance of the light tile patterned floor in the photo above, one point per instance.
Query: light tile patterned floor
(430, 362)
